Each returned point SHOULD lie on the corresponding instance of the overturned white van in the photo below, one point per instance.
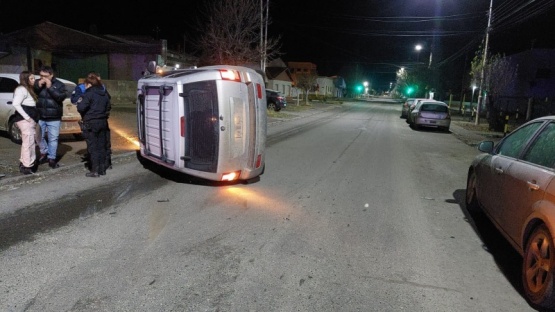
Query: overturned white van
(209, 122)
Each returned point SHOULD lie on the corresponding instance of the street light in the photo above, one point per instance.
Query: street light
(365, 84)
(418, 47)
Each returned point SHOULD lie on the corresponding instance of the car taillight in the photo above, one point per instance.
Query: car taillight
(259, 90)
(182, 125)
(228, 74)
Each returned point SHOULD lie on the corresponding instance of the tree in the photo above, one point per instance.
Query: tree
(307, 83)
(415, 82)
(499, 75)
(231, 32)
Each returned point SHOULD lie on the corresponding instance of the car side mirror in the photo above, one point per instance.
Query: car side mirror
(485, 146)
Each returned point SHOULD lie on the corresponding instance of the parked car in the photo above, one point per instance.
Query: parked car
(430, 113)
(275, 100)
(8, 83)
(405, 108)
(412, 105)
(512, 183)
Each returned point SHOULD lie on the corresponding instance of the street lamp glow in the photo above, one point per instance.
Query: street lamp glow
(418, 48)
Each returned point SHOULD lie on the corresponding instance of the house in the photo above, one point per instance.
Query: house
(333, 86)
(324, 86)
(279, 77)
(532, 93)
(120, 61)
(304, 68)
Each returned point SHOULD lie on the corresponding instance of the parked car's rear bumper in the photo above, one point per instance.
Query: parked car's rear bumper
(430, 122)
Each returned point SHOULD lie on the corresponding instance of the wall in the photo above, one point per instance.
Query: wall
(123, 92)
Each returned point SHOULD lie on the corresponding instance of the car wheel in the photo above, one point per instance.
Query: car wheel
(537, 268)
(471, 200)
(271, 106)
(14, 132)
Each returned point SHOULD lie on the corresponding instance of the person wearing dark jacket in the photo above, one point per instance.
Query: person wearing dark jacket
(94, 106)
(51, 93)
(75, 95)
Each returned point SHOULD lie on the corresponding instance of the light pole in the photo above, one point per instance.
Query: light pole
(472, 97)
(365, 84)
(480, 95)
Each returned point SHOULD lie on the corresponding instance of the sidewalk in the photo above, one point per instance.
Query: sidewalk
(465, 129)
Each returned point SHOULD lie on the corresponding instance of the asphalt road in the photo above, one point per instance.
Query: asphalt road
(355, 212)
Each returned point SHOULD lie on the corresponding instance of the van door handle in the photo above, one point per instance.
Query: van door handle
(533, 186)
(499, 170)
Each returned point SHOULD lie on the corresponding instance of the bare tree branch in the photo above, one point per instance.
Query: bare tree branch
(231, 34)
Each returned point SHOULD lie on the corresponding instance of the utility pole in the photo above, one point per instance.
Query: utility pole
(263, 33)
(484, 61)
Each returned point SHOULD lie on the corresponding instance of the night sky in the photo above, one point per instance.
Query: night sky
(371, 36)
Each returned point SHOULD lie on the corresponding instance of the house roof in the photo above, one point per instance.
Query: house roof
(60, 39)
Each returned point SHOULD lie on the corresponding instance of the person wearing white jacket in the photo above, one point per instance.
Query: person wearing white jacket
(24, 102)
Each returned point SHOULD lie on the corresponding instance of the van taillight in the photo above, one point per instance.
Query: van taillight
(259, 90)
(230, 176)
(228, 74)
(182, 126)
(258, 161)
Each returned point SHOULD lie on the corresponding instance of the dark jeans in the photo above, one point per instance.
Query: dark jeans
(96, 132)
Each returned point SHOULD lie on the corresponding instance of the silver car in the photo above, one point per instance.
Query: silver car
(513, 183)
(430, 113)
(8, 83)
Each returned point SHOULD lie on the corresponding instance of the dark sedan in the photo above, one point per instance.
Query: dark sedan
(275, 100)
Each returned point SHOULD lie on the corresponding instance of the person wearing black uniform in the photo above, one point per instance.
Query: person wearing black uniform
(94, 107)
(75, 95)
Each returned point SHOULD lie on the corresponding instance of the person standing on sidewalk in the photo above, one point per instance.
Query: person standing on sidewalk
(75, 95)
(51, 93)
(26, 117)
(94, 107)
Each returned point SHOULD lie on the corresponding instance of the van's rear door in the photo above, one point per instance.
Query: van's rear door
(202, 125)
